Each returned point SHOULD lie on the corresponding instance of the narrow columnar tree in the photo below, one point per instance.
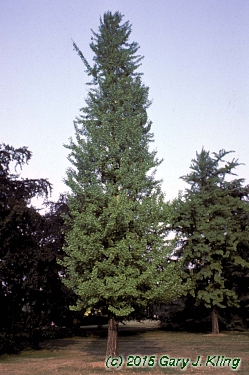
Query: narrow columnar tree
(211, 222)
(115, 253)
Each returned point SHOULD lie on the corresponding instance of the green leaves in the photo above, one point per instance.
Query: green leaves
(210, 230)
(116, 256)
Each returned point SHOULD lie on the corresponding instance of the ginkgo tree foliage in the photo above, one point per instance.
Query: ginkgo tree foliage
(211, 222)
(116, 257)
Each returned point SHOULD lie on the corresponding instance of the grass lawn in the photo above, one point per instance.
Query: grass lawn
(86, 354)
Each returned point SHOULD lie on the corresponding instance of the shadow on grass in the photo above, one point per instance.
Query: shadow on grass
(85, 354)
(94, 338)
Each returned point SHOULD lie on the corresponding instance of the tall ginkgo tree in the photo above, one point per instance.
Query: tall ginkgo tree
(115, 260)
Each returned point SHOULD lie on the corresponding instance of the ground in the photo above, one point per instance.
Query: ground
(86, 354)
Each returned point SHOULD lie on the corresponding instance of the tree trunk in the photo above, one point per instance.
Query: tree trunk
(215, 323)
(112, 339)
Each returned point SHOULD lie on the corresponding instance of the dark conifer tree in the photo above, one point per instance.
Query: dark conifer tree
(31, 292)
(20, 225)
(209, 219)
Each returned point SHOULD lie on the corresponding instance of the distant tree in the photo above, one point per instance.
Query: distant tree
(115, 252)
(32, 294)
(211, 223)
(238, 279)
(58, 296)
(46, 297)
(18, 242)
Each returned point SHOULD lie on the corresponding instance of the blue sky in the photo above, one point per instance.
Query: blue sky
(196, 64)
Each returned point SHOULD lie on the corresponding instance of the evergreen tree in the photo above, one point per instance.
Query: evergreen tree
(209, 220)
(31, 292)
(57, 296)
(20, 254)
(115, 254)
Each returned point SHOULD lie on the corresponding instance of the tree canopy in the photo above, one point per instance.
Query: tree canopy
(211, 222)
(31, 292)
(116, 259)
